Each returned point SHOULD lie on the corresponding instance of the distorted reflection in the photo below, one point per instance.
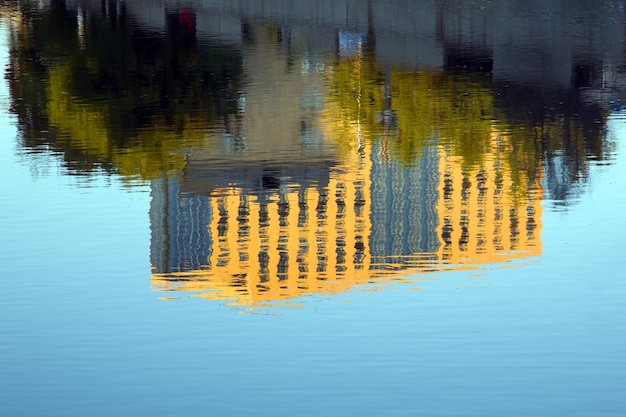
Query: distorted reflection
(314, 230)
(106, 93)
(311, 150)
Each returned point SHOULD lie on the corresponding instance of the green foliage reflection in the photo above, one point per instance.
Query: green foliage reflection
(410, 110)
(107, 94)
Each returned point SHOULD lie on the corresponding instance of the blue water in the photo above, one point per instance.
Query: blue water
(83, 333)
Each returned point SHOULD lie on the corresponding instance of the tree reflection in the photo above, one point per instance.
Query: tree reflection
(459, 107)
(97, 88)
(105, 93)
(556, 128)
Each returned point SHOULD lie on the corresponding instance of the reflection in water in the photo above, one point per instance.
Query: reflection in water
(106, 93)
(366, 220)
(307, 151)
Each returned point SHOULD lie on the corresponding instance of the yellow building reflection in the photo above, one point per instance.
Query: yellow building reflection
(363, 188)
(484, 215)
(278, 243)
(358, 226)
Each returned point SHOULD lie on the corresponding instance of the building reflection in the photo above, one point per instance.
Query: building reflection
(261, 235)
(315, 196)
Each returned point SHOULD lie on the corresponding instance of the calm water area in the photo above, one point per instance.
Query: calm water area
(312, 208)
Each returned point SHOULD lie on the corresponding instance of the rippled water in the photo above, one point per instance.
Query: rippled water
(416, 205)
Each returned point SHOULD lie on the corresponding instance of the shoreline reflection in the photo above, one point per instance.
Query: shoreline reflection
(298, 153)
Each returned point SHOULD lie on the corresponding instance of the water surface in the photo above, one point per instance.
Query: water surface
(417, 206)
